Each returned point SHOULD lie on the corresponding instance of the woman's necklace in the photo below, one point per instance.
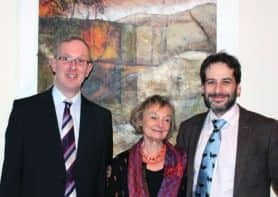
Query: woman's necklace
(154, 159)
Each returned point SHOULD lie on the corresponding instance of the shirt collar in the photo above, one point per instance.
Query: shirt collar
(59, 97)
(229, 116)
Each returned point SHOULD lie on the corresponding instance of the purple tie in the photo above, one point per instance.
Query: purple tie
(69, 150)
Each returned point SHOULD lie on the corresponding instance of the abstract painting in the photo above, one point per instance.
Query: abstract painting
(139, 48)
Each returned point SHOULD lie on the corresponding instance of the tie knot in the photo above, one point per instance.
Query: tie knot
(218, 123)
(67, 104)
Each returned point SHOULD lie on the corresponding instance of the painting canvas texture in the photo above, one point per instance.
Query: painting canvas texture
(139, 48)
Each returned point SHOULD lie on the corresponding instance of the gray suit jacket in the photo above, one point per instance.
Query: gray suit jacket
(257, 153)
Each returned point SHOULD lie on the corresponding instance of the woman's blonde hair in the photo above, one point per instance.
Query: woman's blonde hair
(137, 113)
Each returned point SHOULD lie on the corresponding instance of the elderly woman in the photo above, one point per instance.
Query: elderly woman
(152, 167)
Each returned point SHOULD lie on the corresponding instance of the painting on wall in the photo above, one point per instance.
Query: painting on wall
(139, 48)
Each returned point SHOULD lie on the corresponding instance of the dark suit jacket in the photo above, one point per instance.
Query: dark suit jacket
(257, 153)
(33, 162)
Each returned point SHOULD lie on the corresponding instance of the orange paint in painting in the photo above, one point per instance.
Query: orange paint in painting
(100, 37)
(110, 53)
(97, 39)
(50, 8)
(102, 45)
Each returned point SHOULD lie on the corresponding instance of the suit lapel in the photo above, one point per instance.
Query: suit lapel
(50, 132)
(244, 131)
(84, 126)
(88, 123)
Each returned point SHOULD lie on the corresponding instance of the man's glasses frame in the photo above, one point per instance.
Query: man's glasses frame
(70, 60)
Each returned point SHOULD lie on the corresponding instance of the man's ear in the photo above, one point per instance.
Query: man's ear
(202, 90)
(52, 63)
(89, 68)
(238, 90)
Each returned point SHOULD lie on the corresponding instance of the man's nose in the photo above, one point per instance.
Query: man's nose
(73, 63)
(218, 88)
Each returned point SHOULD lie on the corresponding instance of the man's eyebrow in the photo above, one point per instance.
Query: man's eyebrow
(228, 78)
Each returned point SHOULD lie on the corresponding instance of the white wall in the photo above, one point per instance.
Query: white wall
(227, 26)
(8, 57)
(18, 53)
(258, 41)
(258, 53)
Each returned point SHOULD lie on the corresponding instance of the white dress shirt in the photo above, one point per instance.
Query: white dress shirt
(75, 109)
(223, 174)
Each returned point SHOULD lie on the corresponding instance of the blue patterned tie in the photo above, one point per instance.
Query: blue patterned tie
(208, 161)
(68, 142)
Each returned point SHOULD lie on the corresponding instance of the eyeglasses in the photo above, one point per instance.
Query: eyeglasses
(69, 60)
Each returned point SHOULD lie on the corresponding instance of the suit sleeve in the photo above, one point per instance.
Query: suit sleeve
(109, 138)
(117, 176)
(273, 157)
(108, 152)
(11, 179)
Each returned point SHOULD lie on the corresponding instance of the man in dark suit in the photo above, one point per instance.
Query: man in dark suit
(246, 163)
(57, 142)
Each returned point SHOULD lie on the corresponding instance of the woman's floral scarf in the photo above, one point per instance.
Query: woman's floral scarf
(174, 166)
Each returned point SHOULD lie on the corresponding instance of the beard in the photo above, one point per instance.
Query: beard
(220, 109)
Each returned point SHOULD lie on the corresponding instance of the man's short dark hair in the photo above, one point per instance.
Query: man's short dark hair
(222, 57)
